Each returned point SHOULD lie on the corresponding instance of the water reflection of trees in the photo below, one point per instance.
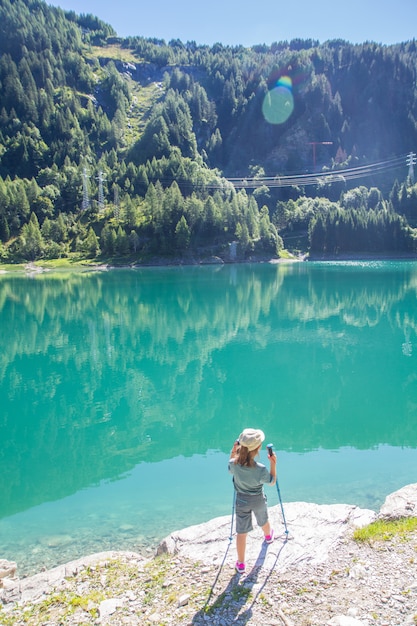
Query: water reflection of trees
(95, 366)
(377, 301)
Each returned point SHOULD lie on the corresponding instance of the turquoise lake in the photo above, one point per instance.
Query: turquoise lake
(122, 392)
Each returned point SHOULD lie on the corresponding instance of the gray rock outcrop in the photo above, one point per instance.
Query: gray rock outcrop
(314, 531)
(401, 503)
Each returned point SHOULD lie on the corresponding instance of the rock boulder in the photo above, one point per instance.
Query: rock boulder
(401, 503)
(313, 530)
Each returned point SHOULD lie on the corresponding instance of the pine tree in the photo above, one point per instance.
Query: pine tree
(4, 228)
(182, 235)
(30, 243)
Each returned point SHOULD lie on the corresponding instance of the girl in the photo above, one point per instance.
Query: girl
(249, 477)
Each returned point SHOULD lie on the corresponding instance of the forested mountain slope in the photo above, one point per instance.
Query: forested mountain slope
(124, 147)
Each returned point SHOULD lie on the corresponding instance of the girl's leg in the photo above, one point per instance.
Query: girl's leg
(267, 529)
(241, 546)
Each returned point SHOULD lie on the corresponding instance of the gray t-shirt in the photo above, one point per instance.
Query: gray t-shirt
(249, 480)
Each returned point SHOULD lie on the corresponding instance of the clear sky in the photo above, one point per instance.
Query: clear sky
(233, 22)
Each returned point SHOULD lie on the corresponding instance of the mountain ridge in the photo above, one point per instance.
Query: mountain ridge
(117, 147)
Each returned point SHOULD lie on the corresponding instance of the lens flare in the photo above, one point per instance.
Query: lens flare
(285, 81)
(278, 103)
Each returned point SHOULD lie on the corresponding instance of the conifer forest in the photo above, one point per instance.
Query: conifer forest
(136, 149)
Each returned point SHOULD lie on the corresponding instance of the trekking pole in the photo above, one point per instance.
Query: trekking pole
(269, 447)
(233, 506)
(233, 514)
(225, 554)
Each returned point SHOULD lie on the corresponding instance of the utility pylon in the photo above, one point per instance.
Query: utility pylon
(318, 143)
(86, 199)
(116, 202)
(411, 161)
(101, 178)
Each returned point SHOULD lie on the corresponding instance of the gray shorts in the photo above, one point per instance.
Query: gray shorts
(245, 506)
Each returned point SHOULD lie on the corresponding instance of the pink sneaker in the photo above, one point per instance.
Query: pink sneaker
(270, 538)
(240, 567)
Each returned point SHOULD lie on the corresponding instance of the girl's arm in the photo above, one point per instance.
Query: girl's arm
(233, 450)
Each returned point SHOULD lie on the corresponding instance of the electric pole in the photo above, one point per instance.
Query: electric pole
(101, 178)
(411, 161)
(86, 199)
(318, 143)
(116, 202)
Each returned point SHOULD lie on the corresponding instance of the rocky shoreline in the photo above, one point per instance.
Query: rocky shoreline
(317, 575)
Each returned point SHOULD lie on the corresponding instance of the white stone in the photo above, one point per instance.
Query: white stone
(345, 620)
(9, 584)
(353, 611)
(155, 618)
(130, 595)
(108, 607)
(357, 571)
(7, 568)
(184, 599)
(401, 503)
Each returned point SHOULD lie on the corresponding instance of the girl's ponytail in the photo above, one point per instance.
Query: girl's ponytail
(245, 457)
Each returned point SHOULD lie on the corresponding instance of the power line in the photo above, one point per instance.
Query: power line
(321, 177)
(294, 180)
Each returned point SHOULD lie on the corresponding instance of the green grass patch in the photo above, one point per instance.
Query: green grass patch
(12, 267)
(73, 262)
(286, 254)
(143, 98)
(381, 530)
(114, 52)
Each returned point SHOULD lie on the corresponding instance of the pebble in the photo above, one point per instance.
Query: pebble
(108, 607)
(184, 599)
(345, 620)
